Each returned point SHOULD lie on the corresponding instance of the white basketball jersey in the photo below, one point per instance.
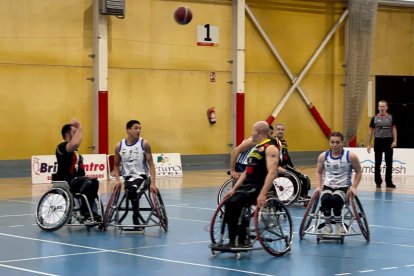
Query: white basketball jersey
(337, 171)
(133, 159)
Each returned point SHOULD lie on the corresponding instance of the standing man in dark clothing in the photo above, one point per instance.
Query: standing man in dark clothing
(383, 127)
(70, 166)
(253, 185)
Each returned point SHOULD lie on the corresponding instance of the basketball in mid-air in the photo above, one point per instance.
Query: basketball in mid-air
(183, 15)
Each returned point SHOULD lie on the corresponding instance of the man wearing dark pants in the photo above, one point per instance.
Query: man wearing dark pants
(70, 167)
(286, 161)
(134, 156)
(253, 185)
(383, 127)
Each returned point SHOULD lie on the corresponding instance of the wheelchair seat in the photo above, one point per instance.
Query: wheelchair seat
(352, 214)
(59, 207)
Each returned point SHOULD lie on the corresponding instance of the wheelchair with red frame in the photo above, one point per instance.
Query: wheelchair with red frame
(151, 209)
(269, 228)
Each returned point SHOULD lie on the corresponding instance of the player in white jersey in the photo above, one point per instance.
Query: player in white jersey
(334, 179)
(133, 160)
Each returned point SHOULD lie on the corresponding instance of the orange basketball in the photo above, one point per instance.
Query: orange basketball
(183, 15)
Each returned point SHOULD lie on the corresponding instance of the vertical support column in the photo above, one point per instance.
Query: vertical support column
(100, 86)
(237, 118)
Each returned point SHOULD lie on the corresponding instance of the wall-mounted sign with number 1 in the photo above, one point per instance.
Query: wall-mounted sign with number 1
(207, 35)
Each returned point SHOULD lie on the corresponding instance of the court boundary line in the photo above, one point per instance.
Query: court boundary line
(28, 270)
(101, 250)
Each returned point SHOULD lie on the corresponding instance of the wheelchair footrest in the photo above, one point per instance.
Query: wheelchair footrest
(132, 228)
(331, 236)
(224, 248)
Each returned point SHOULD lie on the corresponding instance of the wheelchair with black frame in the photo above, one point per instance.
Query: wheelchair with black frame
(314, 220)
(288, 186)
(150, 210)
(292, 187)
(59, 206)
(271, 226)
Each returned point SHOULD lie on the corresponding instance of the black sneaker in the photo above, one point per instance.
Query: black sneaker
(245, 244)
(229, 245)
(97, 217)
(391, 185)
(139, 229)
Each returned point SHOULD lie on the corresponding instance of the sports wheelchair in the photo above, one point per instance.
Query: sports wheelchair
(59, 207)
(314, 220)
(272, 226)
(288, 187)
(151, 208)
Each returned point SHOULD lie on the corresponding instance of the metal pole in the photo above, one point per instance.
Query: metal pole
(100, 77)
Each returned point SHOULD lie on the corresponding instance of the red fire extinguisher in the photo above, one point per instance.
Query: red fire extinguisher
(211, 114)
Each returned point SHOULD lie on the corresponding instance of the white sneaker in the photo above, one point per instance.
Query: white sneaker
(340, 230)
(326, 230)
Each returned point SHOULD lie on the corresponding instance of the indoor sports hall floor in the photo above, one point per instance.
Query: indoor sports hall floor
(183, 250)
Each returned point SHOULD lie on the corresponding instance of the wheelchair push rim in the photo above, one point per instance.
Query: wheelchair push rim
(360, 216)
(225, 189)
(54, 209)
(309, 214)
(160, 209)
(218, 229)
(111, 207)
(274, 227)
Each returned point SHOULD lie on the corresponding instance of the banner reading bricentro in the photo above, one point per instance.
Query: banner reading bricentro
(43, 166)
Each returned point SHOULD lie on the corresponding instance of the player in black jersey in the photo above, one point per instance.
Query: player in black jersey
(286, 162)
(239, 155)
(255, 182)
(70, 166)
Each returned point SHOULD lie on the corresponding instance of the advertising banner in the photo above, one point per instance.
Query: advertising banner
(43, 166)
(402, 164)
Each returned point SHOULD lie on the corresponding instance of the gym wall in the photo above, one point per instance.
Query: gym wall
(158, 75)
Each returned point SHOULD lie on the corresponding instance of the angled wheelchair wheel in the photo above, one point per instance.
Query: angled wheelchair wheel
(360, 216)
(287, 187)
(54, 209)
(160, 209)
(218, 230)
(225, 189)
(310, 213)
(274, 227)
(108, 216)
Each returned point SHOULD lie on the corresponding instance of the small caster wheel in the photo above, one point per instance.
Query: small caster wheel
(318, 240)
(238, 256)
